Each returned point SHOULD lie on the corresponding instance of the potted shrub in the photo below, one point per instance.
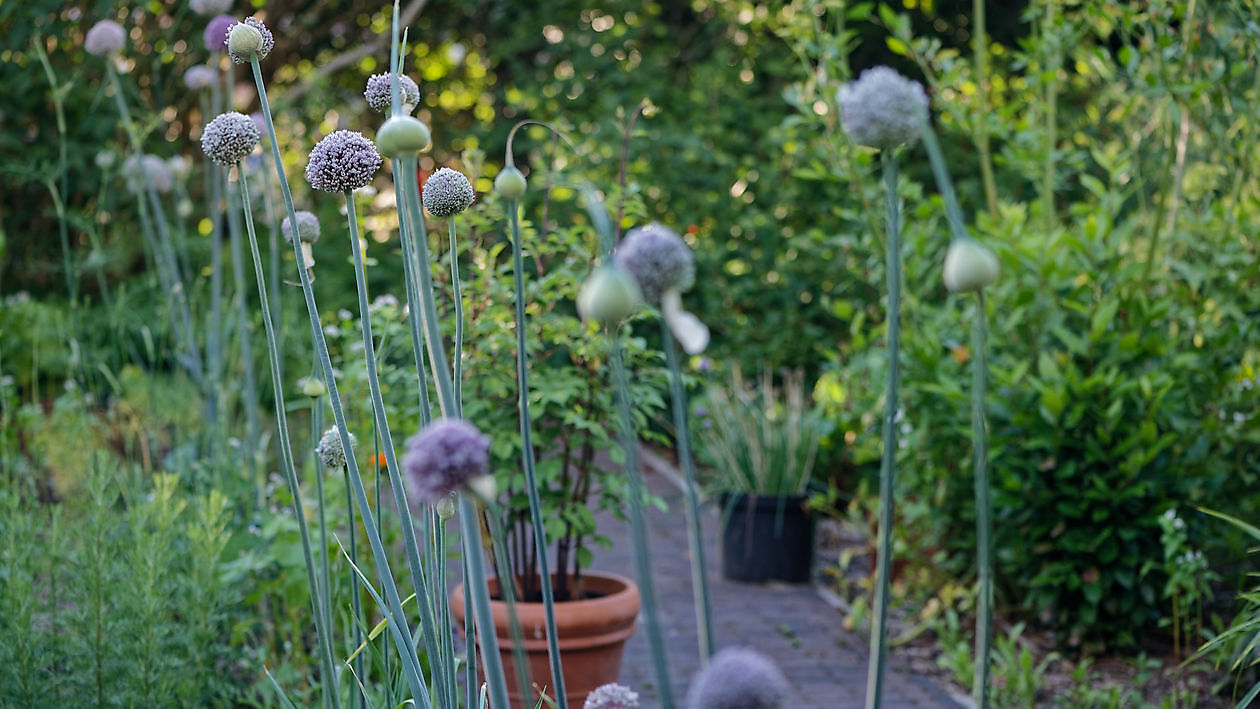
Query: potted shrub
(578, 459)
(760, 442)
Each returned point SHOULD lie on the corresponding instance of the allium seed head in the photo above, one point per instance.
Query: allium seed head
(151, 167)
(229, 138)
(738, 678)
(216, 33)
(307, 227)
(343, 160)
(105, 37)
(659, 260)
(443, 457)
(447, 192)
(882, 109)
(329, 450)
(199, 77)
(402, 136)
(249, 38)
(210, 7)
(378, 91)
(612, 696)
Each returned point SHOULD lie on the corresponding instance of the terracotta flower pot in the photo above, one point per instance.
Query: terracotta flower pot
(592, 634)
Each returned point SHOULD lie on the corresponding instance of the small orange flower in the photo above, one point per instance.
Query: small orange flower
(961, 353)
(380, 460)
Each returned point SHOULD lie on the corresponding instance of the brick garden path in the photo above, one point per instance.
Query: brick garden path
(825, 664)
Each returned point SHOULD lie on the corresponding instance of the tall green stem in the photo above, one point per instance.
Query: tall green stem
(457, 351)
(325, 572)
(427, 623)
(396, 618)
(984, 553)
(887, 472)
(356, 604)
(638, 524)
(527, 458)
(980, 48)
(470, 529)
(695, 539)
(329, 693)
(1052, 100)
(413, 294)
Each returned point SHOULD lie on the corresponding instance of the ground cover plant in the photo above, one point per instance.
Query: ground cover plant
(207, 470)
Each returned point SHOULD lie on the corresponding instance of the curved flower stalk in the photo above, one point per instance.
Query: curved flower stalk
(882, 110)
(969, 267)
(227, 140)
(611, 322)
(249, 48)
(663, 265)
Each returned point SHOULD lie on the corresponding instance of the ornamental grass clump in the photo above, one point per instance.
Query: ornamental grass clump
(883, 110)
(739, 678)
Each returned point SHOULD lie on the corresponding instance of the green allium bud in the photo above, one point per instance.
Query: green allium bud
(247, 39)
(510, 183)
(969, 266)
(312, 387)
(402, 137)
(609, 296)
(446, 508)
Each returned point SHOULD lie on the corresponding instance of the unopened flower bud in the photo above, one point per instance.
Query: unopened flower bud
(446, 508)
(609, 296)
(248, 39)
(969, 266)
(510, 183)
(312, 387)
(402, 137)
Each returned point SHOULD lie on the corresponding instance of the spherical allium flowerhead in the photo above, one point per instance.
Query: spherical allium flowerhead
(210, 7)
(443, 457)
(343, 160)
(106, 37)
(447, 193)
(379, 97)
(882, 109)
(247, 39)
(229, 138)
(738, 678)
(199, 77)
(659, 260)
(151, 167)
(612, 696)
(329, 450)
(216, 32)
(307, 227)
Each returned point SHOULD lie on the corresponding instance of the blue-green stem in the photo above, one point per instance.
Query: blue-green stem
(470, 529)
(214, 338)
(273, 247)
(638, 524)
(980, 130)
(527, 457)
(250, 394)
(356, 604)
(494, 518)
(325, 573)
(395, 617)
(695, 540)
(984, 553)
(457, 377)
(887, 471)
(470, 651)
(413, 295)
(446, 676)
(329, 690)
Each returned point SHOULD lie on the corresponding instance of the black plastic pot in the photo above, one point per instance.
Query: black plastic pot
(767, 538)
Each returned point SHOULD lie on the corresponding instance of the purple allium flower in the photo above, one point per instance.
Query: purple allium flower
(210, 7)
(216, 32)
(738, 678)
(199, 77)
(151, 167)
(612, 696)
(105, 37)
(229, 138)
(248, 38)
(343, 160)
(329, 450)
(378, 90)
(882, 109)
(659, 260)
(447, 192)
(307, 227)
(443, 457)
